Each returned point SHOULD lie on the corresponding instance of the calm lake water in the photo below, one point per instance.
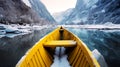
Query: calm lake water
(13, 46)
(107, 42)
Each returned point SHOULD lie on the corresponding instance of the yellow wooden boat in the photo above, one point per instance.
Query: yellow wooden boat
(41, 54)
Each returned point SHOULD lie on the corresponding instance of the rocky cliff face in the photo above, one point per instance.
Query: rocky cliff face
(16, 11)
(106, 11)
(79, 14)
(38, 6)
(62, 16)
(94, 12)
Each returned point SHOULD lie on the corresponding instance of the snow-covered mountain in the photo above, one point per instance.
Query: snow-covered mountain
(39, 7)
(92, 12)
(61, 17)
(106, 11)
(79, 14)
(18, 12)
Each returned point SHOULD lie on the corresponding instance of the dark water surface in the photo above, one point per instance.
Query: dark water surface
(107, 42)
(12, 49)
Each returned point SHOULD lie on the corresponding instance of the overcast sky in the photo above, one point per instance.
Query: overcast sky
(58, 5)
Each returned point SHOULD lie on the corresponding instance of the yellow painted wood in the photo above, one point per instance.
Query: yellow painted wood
(74, 55)
(60, 43)
(84, 63)
(38, 56)
(37, 62)
(79, 61)
(87, 65)
(76, 58)
(40, 60)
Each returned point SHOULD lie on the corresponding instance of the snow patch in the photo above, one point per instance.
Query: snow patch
(106, 26)
(86, 1)
(90, 3)
(103, 11)
(10, 29)
(77, 21)
(13, 30)
(27, 3)
(60, 59)
(109, 23)
(84, 19)
(99, 58)
(94, 6)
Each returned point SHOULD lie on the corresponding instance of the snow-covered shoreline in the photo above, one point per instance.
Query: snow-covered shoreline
(13, 30)
(102, 26)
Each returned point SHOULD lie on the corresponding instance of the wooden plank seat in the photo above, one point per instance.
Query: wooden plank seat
(60, 43)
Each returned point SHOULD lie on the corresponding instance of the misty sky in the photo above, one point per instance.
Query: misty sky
(58, 5)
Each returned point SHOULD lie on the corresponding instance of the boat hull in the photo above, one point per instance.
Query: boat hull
(41, 56)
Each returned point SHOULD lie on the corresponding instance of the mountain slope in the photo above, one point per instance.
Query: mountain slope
(38, 6)
(62, 16)
(17, 12)
(93, 12)
(80, 13)
(106, 11)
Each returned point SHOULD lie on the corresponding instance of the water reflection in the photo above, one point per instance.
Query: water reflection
(12, 48)
(106, 41)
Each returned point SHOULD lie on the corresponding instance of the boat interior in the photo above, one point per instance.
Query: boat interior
(41, 54)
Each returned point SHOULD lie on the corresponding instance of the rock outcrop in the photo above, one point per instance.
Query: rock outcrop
(17, 12)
